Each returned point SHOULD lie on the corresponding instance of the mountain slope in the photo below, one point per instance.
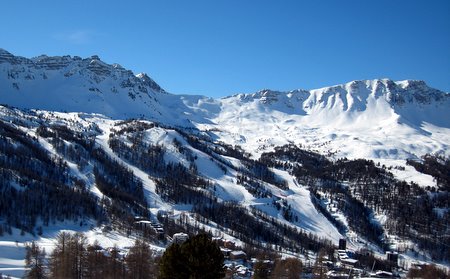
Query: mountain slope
(291, 171)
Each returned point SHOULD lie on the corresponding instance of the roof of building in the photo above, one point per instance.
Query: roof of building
(238, 253)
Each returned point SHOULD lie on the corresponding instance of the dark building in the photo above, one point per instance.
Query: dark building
(392, 257)
(342, 244)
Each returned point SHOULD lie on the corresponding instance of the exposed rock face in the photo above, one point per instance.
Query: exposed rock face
(92, 67)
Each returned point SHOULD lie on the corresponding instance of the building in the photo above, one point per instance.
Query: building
(180, 238)
(226, 252)
(149, 225)
(392, 257)
(238, 255)
(349, 262)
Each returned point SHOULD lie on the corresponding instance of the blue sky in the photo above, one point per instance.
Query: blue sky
(218, 48)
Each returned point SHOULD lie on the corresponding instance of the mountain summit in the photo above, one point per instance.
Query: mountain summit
(65, 83)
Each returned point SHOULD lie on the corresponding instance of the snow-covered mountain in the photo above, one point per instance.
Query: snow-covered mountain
(369, 118)
(275, 159)
(74, 84)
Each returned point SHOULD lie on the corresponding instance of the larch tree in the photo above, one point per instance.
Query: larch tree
(139, 261)
(34, 261)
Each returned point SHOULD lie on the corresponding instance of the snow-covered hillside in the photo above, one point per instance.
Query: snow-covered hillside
(294, 167)
(67, 137)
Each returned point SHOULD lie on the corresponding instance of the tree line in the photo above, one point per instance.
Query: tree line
(360, 188)
(35, 185)
(73, 257)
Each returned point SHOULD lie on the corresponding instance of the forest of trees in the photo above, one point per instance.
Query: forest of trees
(39, 187)
(360, 188)
(179, 184)
(435, 165)
(74, 258)
(35, 185)
(198, 257)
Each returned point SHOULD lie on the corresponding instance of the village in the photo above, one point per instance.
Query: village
(343, 263)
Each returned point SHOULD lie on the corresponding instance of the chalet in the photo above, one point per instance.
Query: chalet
(143, 224)
(340, 254)
(148, 225)
(349, 262)
(238, 255)
(180, 238)
(336, 275)
(392, 257)
(381, 274)
(226, 252)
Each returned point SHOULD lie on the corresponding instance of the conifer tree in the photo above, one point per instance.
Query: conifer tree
(96, 262)
(261, 270)
(173, 265)
(197, 258)
(204, 258)
(59, 258)
(319, 271)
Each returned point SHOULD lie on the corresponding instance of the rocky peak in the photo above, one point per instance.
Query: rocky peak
(395, 92)
(93, 67)
(97, 66)
(7, 57)
(416, 91)
(52, 62)
(146, 80)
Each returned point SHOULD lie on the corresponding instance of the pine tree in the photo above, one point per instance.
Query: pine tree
(59, 258)
(96, 262)
(205, 260)
(115, 266)
(319, 271)
(173, 265)
(197, 258)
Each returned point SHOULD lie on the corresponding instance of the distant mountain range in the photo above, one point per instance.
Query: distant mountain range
(383, 118)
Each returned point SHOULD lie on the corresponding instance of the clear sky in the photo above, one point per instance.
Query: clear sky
(218, 48)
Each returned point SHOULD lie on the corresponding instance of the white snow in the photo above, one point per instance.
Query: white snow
(381, 120)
